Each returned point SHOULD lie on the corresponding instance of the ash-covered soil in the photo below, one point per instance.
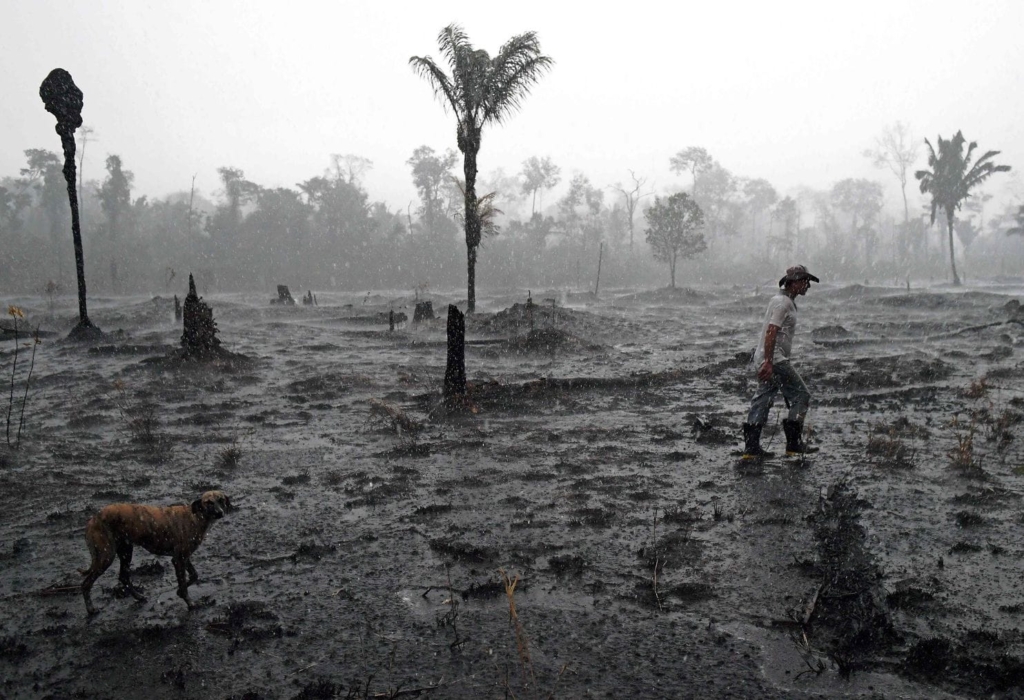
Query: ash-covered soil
(377, 539)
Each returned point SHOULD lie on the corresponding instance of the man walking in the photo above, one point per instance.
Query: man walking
(774, 370)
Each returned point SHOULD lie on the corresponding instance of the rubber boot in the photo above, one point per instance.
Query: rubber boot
(752, 442)
(794, 430)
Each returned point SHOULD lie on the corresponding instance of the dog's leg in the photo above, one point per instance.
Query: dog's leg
(124, 553)
(193, 576)
(180, 567)
(101, 548)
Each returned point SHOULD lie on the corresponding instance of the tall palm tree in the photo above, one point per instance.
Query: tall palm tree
(480, 90)
(952, 177)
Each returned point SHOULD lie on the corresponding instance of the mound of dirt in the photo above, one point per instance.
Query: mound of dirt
(524, 319)
(937, 300)
(665, 295)
(548, 341)
(830, 333)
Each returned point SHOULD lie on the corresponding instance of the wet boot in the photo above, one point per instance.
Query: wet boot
(752, 442)
(794, 438)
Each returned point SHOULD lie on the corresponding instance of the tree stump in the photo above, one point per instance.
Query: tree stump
(199, 338)
(455, 371)
(284, 296)
(177, 308)
(424, 311)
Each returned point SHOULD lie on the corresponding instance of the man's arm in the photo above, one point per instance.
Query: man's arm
(764, 373)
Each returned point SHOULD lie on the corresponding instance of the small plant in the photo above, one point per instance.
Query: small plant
(16, 313)
(384, 416)
(522, 646)
(139, 417)
(1000, 428)
(52, 290)
(978, 389)
(962, 455)
(450, 618)
(889, 450)
(717, 510)
(229, 457)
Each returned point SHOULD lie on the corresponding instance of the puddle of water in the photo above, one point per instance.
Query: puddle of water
(782, 664)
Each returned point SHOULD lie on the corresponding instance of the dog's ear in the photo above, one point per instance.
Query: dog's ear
(197, 506)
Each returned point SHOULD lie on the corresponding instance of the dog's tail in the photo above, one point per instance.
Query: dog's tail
(97, 534)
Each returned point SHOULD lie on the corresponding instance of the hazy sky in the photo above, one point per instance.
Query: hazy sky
(791, 92)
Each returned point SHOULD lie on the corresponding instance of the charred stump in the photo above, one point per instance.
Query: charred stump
(391, 320)
(177, 308)
(199, 338)
(308, 299)
(284, 296)
(424, 311)
(455, 371)
(63, 99)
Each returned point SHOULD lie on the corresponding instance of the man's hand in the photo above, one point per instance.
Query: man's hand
(764, 373)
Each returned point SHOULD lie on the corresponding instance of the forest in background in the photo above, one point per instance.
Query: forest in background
(543, 229)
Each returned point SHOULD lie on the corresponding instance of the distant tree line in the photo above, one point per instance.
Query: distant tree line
(327, 233)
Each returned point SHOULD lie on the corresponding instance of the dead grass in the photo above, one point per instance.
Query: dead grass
(888, 449)
(229, 457)
(522, 643)
(962, 456)
(978, 389)
(385, 416)
(138, 416)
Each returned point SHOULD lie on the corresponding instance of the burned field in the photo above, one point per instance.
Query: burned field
(585, 530)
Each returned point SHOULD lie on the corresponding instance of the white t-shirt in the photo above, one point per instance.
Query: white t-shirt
(782, 313)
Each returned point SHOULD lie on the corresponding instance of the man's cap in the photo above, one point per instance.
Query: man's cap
(797, 273)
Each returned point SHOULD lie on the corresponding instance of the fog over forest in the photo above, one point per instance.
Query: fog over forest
(268, 175)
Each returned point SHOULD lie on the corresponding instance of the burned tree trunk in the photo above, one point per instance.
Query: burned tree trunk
(455, 371)
(284, 296)
(199, 339)
(424, 311)
(62, 98)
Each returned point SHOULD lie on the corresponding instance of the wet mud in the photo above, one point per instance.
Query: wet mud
(584, 531)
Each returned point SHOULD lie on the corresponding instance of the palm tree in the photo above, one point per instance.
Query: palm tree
(952, 177)
(480, 90)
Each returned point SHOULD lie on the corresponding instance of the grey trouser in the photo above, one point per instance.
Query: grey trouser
(785, 379)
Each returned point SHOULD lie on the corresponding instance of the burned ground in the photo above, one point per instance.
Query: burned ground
(365, 558)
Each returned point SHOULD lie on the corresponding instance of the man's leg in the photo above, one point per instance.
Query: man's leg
(762, 402)
(758, 416)
(794, 390)
(799, 400)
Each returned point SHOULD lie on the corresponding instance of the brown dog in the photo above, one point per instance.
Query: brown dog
(174, 531)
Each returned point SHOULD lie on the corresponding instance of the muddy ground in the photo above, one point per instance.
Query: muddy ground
(365, 558)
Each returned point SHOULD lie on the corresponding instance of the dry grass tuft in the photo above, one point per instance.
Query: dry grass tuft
(137, 416)
(522, 645)
(962, 455)
(229, 457)
(889, 451)
(978, 389)
(393, 418)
